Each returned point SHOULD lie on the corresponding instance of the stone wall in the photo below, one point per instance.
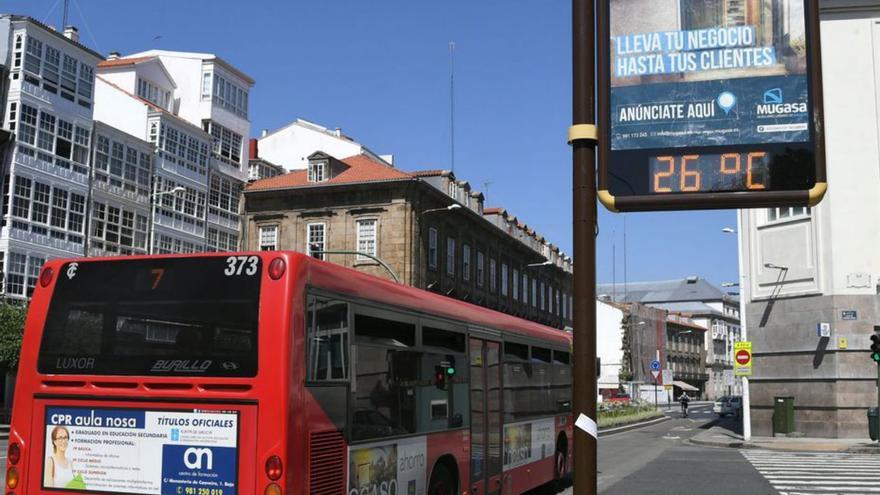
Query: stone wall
(833, 382)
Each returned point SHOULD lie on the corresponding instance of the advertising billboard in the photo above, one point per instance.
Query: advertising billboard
(709, 104)
(140, 451)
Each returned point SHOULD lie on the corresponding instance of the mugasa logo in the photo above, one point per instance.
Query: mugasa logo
(774, 105)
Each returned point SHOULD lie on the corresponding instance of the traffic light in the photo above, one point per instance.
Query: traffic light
(443, 373)
(875, 347)
(440, 377)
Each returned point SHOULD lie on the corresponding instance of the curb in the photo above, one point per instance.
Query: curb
(739, 444)
(633, 426)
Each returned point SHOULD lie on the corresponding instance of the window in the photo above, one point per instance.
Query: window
(504, 281)
(40, 211)
(450, 256)
(227, 144)
(28, 126)
(33, 55)
(515, 284)
(774, 214)
(534, 293)
(316, 236)
(466, 262)
(452, 190)
(317, 171)
(493, 279)
(327, 324)
(268, 237)
(564, 313)
(229, 96)
(543, 296)
(401, 389)
(525, 288)
(206, 85)
(21, 199)
(366, 238)
(15, 274)
(480, 270)
(152, 92)
(432, 247)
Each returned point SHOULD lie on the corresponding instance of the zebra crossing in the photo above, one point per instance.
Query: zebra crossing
(795, 473)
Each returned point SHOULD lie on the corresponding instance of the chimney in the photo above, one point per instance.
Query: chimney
(338, 132)
(113, 56)
(71, 33)
(264, 133)
(253, 152)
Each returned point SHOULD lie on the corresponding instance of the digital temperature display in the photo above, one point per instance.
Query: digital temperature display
(696, 111)
(709, 173)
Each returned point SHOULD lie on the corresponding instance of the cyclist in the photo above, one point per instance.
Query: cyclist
(684, 399)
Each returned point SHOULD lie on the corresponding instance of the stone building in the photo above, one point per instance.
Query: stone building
(803, 267)
(428, 227)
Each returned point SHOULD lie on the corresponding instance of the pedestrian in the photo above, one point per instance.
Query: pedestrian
(684, 399)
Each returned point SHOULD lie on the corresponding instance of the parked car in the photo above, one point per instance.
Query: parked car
(729, 404)
(618, 396)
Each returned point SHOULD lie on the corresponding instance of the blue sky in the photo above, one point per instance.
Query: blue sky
(379, 69)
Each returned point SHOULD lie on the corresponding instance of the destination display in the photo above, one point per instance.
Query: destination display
(140, 451)
(708, 97)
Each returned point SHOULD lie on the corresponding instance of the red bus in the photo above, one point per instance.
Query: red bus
(275, 373)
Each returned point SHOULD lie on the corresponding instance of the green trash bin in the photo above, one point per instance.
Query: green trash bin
(783, 415)
(873, 429)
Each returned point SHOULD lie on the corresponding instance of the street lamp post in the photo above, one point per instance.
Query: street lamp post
(156, 194)
(747, 415)
(359, 253)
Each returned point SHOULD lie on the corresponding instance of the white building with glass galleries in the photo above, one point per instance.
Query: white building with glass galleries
(49, 108)
(180, 171)
(213, 95)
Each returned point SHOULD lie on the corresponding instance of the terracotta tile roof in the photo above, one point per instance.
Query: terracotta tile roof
(492, 211)
(122, 62)
(361, 169)
(427, 173)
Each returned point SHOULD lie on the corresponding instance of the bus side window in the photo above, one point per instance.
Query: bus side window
(328, 338)
(562, 380)
(517, 381)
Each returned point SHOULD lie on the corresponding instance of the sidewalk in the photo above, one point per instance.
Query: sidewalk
(718, 436)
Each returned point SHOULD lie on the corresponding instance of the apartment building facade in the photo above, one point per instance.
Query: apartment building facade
(197, 117)
(356, 209)
(48, 107)
(702, 303)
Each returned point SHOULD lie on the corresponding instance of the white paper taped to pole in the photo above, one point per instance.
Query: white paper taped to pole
(585, 423)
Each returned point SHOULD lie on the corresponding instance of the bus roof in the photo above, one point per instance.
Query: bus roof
(325, 275)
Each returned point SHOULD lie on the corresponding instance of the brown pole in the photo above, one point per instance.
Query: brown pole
(585, 229)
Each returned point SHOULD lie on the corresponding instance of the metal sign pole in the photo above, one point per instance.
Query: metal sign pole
(583, 137)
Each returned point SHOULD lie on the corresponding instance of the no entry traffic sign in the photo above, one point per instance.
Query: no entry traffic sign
(742, 353)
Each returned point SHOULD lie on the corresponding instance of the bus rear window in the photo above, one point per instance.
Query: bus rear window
(160, 317)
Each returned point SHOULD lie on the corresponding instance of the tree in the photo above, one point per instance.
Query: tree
(12, 318)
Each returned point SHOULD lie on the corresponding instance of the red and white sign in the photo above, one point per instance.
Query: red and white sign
(742, 353)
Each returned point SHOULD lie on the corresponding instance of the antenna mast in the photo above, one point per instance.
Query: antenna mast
(452, 104)
(66, 14)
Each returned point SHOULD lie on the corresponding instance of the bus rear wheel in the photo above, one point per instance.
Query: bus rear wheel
(441, 481)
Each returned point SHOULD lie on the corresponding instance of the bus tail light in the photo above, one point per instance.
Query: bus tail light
(46, 277)
(14, 453)
(272, 489)
(274, 468)
(12, 478)
(276, 268)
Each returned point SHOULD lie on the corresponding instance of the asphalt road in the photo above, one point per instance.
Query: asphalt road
(658, 460)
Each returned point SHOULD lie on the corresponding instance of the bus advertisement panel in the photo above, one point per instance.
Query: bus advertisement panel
(390, 468)
(141, 451)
